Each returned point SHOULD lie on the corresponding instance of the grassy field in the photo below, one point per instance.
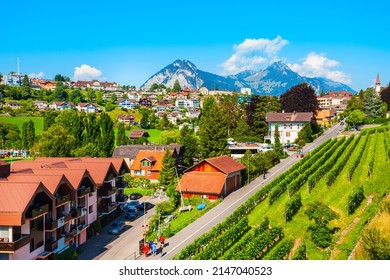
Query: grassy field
(38, 122)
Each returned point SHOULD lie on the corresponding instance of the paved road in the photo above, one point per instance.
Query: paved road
(125, 246)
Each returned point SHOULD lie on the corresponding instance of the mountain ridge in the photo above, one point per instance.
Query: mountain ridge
(276, 79)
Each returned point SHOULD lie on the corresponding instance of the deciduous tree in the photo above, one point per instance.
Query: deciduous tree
(300, 98)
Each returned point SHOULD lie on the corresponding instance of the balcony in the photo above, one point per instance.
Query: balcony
(50, 224)
(122, 184)
(62, 199)
(6, 246)
(80, 228)
(51, 245)
(82, 191)
(79, 212)
(121, 197)
(106, 209)
(37, 211)
(105, 193)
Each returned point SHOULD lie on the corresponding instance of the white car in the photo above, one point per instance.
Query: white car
(265, 148)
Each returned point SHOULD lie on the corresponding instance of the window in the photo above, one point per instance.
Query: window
(149, 173)
(145, 163)
(138, 172)
(290, 125)
(288, 134)
(285, 126)
(90, 209)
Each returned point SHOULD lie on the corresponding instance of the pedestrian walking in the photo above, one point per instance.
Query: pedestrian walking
(162, 240)
(146, 249)
(161, 248)
(154, 249)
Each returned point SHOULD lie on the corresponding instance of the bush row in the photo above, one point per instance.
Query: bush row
(300, 253)
(281, 251)
(355, 199)
(327, 165)
(292, 206)
(341, 162)
(356, 159)
(297, 170)
(387, 144)
(260, 245)
(235, 252)
(372, 157)
(219, 246)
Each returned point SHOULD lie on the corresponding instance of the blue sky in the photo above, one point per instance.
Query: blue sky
(128, 42)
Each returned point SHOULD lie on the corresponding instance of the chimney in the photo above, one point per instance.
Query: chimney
(5, 169)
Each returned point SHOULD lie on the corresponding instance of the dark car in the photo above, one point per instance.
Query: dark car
(131, 213)
(145, 206)
(131, 204)
(117, 227)
(135, 196)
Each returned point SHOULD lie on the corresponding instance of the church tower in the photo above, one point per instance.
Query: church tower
(377, 84)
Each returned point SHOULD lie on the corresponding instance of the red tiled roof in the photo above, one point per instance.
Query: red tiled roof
(289, 117)
(14, 200)
(50, 181)
(157, 156)
(138, 133)
(202, 182)
(224, 163)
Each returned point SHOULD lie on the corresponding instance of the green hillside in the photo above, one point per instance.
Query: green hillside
(38, 122)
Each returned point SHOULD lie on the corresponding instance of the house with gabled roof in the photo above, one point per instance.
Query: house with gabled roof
(212, 177)
(289, 125)
(138, 133)
(147, 164)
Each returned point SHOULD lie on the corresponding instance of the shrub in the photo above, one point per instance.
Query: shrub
(293, 206)
(354, 200)
(300, 253)
(320, 235)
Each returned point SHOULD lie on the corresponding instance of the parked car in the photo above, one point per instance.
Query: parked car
(131, 204)
(145, 206)
(131, 213)
(116, 228)
(265, 148)
(135, 196)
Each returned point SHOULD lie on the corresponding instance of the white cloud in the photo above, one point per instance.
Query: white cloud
(86, 73)
(252, 53)
(318, 65)
(40, 75)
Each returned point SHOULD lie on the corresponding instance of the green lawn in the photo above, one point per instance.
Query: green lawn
(38, 122)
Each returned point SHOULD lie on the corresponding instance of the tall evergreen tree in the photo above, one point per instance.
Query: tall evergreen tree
(191, 145)
(49, 118)
(92, 130)
(167, 177)
(213, 132)
(144, 122)
(278, 145)
(121, 138)
(176, 86)
(28, 134)
(107, 135)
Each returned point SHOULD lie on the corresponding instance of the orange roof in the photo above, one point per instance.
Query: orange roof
(224, 163)
(51, 182)
(157, 156)
(97, 170)
(117, 162)
(14, 200)
(74, 176)
(202, 183)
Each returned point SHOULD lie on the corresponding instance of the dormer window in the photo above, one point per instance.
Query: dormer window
(146, 163)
